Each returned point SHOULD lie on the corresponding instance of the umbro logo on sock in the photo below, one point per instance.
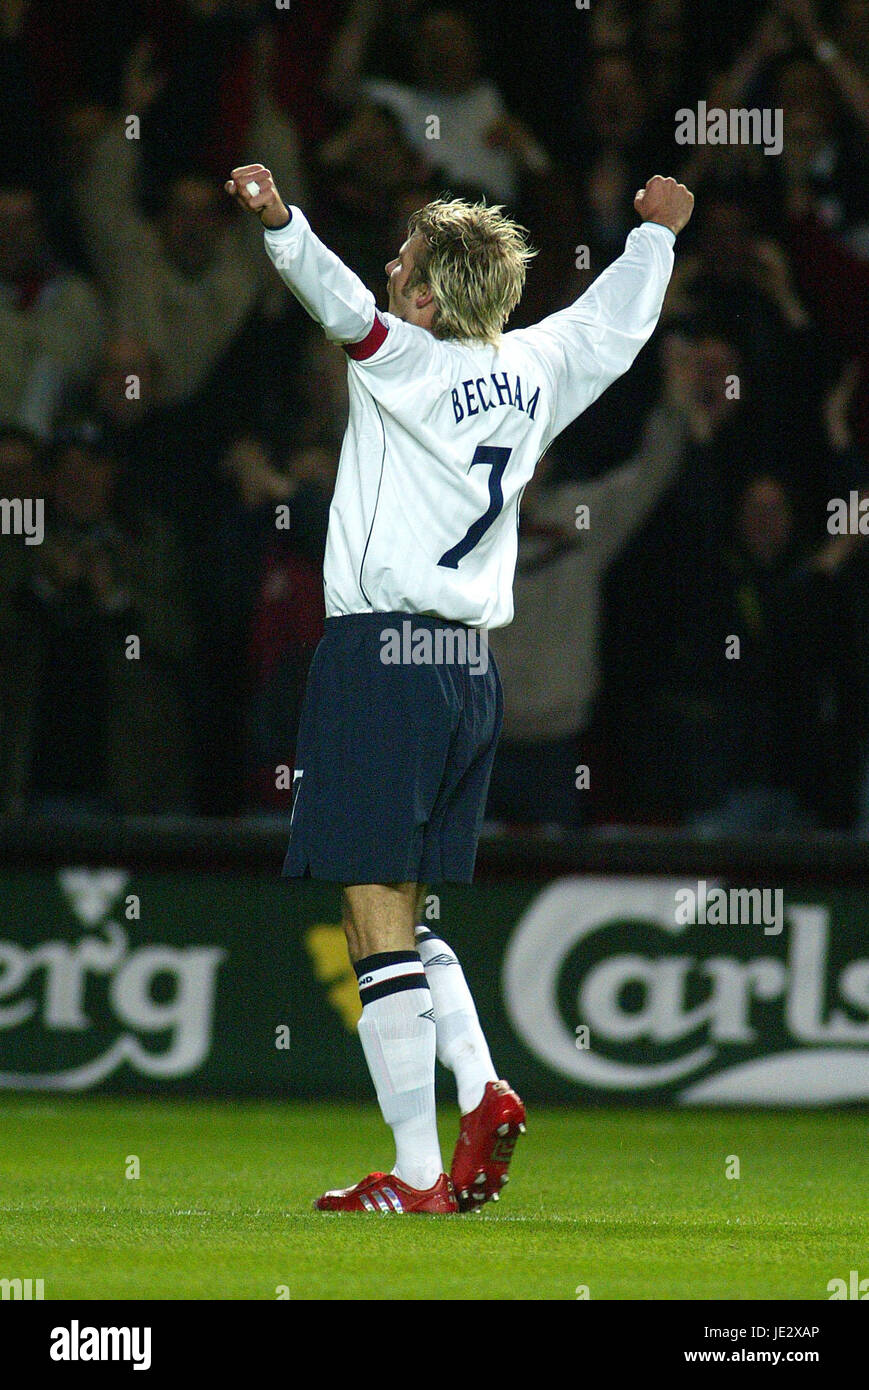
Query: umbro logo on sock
(429, 1014)
(441, 960)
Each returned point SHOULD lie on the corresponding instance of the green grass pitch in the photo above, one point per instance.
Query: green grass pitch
(631, 1204)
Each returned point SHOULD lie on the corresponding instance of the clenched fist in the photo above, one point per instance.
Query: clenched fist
(253, 187)
(665, 201)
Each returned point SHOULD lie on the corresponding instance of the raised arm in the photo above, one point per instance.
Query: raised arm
(843, 71)
(324, 286)
(118, 235)
(594, 340)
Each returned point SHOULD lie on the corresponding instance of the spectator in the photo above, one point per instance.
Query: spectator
(832, 153)
(109, 724)
(775, 704)
(50, 320)
(269, 604)
(287, 623)
(835, 137)
(449, 113)
(184, 282)
(80, 127)
(616, 142)
(745, 737)
(667, 562)
(162, 452)
(550, 664)
(360, 173)
(835, 284)
(743, 278)
(377, 38)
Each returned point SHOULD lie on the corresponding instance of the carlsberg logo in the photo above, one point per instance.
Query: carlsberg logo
(52, 982)
(660, 1013)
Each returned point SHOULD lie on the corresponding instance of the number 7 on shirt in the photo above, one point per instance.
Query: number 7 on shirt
(496, 458)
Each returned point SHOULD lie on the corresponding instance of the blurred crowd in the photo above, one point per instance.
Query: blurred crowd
(691, 642)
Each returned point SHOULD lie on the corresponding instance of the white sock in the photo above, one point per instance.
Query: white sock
(397, 1033)
(461, 1045)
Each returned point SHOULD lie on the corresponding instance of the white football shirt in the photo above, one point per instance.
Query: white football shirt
(442, 437)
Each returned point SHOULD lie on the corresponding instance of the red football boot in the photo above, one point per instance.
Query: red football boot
(388, 1195)
(487, 1139)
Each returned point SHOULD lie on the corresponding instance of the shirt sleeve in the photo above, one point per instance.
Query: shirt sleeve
(389, 353)
(324, 286)
(592, 342)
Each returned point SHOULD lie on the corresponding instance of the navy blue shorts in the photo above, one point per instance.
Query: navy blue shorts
(396, 742)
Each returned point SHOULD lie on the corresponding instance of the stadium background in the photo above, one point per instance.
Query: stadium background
(164, 395)
(163, 392)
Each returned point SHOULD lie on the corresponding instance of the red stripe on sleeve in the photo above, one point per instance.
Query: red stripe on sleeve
(370, 343)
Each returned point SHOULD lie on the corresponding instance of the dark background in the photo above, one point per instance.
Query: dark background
(160, 507)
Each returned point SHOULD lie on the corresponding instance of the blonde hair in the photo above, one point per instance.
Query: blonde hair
(473, 262)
